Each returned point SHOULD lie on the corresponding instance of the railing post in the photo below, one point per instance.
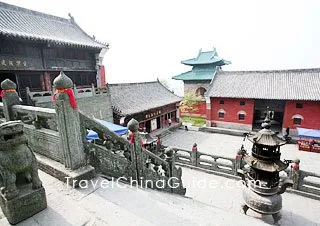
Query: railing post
(194, 154)
(175, 175)
(93, 90)
(68, 123)
(75, 91)
(295, 174)
(9, 98)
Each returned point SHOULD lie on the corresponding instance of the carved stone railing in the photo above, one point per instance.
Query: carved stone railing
(39, 117)
(103, 132)
(206, 161)
(79, 92)
(1, 110)
(305, 183)
(40, 128)
(216, 162)
(114, 156)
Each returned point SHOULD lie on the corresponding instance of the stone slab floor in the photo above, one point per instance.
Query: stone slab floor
(227, 145)
(124, 205)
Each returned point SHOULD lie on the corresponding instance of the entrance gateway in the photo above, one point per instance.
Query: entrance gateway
(276, 109)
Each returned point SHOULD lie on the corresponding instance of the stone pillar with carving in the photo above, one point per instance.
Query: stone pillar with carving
(135, 147)
(10, 97)
(295, 173)
(68, 122)
(194, 153)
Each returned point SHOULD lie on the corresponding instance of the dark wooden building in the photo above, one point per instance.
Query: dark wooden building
(150, 103)
(34, 47)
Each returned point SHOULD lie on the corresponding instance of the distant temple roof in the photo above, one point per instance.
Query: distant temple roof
(131, 98)
(204, 66)
(31, 25)
(299, 84)
(209, 57)
(197, 74)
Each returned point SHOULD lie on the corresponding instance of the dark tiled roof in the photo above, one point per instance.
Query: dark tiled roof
(130, 98)
(28, 24)
(300, 84)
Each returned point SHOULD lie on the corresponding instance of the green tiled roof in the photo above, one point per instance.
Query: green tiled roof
(210, 57)
(197, 74)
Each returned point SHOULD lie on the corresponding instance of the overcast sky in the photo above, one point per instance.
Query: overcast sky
(149, 39)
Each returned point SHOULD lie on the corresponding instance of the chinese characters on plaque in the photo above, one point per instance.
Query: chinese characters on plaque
(153, 114)
(13, 63)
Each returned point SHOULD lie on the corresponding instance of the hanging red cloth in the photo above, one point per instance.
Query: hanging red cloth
(70, 93)
(132, 138)
(6, 91)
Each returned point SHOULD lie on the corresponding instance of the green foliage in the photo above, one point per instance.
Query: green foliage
(194, 120)
(190, 103)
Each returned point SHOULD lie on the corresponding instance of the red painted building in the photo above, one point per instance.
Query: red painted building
(241, 99)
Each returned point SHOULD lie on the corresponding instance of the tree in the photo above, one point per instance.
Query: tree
(190, 103)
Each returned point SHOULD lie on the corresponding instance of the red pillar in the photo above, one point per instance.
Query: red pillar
(102, 75)
(208, 112)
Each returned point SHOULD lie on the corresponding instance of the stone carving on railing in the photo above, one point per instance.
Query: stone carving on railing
(22, 194)
(206, 161)
(79, 92)
(107, 138)
(163, 169)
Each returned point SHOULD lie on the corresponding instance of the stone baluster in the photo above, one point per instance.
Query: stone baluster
(10, 97)
(93, 90)
(75, 91)
(136, 149)
(295, 173)
(68, 123)
(194, 155)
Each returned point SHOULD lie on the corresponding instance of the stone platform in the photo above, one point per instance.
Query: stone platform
(26, 204)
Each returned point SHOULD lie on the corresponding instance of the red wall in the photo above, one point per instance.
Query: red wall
(200, 112)
(232, 107)
(310, 111)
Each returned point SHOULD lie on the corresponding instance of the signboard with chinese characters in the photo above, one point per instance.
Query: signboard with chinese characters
(19, 63)
(152, 114)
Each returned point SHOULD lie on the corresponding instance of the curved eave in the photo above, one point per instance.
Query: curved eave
(53, 41)
(218, 62)
(271, 167)
(267, 142)
(191, 79)
(195, 76)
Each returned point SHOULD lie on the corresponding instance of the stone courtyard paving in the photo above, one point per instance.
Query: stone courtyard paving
(226, 194)
(227, 145)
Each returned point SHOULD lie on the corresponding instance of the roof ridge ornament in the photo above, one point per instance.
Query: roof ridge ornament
(214, 53)
(200, 51)
(71, 18)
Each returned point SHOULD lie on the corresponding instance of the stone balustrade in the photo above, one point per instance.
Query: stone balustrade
(305, 183)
